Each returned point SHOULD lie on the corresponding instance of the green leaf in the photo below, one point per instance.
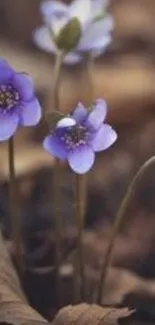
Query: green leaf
(52, 118)
(69, 35)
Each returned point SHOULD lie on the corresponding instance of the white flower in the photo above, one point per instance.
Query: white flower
(94, 23)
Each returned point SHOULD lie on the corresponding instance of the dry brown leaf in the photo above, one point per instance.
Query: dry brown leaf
(84, 314)
(122, 287)
(14, 307)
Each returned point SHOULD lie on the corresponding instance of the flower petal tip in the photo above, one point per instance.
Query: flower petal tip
(31, 113)
(66, 122)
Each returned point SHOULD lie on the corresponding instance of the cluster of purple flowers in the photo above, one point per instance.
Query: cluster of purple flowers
(75, 138)
(79, 136)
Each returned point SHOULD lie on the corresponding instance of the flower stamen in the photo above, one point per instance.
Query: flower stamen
(75, 136)
(9, 97)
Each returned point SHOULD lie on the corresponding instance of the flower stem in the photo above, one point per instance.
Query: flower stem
(56, 176)
(89, 76)
(56, 211)
(81, 187)
(118, 222)
(56, 84)
(14, 211)
(80, 207)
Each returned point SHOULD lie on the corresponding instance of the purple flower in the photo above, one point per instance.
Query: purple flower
(78, 137)
(95, 27)
(18, 104)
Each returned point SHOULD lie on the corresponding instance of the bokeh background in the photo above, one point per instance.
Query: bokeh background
(125, 77)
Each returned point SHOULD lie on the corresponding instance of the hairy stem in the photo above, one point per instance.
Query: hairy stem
(56, 177)
(56, 212)
(81, 186)
(89, 66)
(56, 84)
(118, 222)
(14, 209)
(80, 205)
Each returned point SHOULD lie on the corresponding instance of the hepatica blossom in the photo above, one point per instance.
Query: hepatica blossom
(84, 23)
(77, 138)
(18, 104)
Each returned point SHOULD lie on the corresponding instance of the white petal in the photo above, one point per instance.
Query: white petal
(48, 8)
(65, 122)
(82, 10)
(55, 15)
(95, 32)
(98, 6)
(43, 39)
(100, 47)
(102, 43)
(72, 58)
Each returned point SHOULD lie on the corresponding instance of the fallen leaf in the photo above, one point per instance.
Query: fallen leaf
(14, 308)
(84, 314)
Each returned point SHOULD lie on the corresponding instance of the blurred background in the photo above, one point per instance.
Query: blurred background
(125, 77)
